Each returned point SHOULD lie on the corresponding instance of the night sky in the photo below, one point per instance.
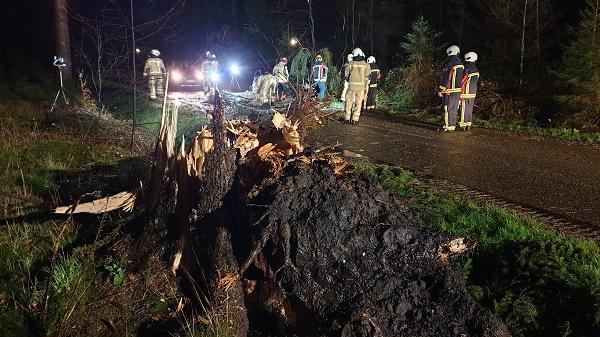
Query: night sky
(28, 28)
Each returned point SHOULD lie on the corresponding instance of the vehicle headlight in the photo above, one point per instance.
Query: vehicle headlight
(199, 76)
(215, 77)
(176, 76)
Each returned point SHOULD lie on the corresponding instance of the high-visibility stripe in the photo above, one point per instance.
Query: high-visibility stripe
(358, 83)
(446, 116)
(468, 96)
(373, 86)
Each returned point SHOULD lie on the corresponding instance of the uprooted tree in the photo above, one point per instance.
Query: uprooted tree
(275, 237)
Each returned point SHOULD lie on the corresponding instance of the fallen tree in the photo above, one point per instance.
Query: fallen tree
(279, 239)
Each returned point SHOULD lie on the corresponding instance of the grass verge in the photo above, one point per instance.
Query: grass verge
(45, 162)
(541, 283)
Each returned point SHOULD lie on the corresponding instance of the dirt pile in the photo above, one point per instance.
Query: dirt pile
(343, 258)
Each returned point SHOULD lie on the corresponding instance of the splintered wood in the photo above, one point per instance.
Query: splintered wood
(194, 159)
(455, 247)
(123, 200)
(246, 135)
(290, 132)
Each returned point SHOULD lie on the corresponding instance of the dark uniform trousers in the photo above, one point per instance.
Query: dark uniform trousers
(451, 105)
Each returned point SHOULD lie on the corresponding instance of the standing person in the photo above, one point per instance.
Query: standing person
(210, 71)
(343, 97)
(155, 70)
(357, 74)
(374, 78)
(450, 87)
(319, 74)
(469, 90)
(283, 78)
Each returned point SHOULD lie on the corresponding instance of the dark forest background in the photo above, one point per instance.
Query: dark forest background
(539, 58)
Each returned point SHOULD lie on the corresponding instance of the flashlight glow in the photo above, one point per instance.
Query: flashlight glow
(214, 77)
(294, 41)
(199, 76)
(235, 69)
(138, 50)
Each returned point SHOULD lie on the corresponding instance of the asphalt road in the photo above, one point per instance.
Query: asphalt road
(558, 177)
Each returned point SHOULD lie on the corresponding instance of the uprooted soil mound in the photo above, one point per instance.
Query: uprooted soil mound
(347, 259)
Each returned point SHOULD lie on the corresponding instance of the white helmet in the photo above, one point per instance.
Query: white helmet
(371, 60)
(357, 52)
(471, 57)
(453, 50)
(350, 57)
(155, 52)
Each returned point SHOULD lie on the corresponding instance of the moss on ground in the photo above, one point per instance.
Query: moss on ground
(540, 282)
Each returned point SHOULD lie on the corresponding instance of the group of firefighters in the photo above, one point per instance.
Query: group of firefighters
(318, 75)
(155, 71)
(360, 86)
(457, 88)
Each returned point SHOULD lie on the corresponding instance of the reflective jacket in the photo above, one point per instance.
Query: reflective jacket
(452, 74)
(357, 73)
(469, 81)
(375, 76)
(320, 72)
(209, 66)
(281, 73)
(154, 66)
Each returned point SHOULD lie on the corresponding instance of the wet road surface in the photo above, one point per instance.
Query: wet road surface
(558, 177)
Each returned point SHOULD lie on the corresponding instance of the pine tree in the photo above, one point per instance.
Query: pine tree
(420, 74)
(581, 66)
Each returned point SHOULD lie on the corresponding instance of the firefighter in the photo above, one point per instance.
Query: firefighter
(343, 97)
(450, 89)
(374, 78)
(319, 74)
(357, 73)
(469, 90)
(155, 71)
(283, 78)
(210, 71)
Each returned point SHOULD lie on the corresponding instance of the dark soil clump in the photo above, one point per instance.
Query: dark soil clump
(348, 259)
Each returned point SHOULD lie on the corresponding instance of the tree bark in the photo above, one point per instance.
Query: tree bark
(523, 45)
(62, 36)
(371, 25)
(312, 26)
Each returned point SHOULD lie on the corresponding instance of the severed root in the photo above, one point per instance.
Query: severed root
(258, 246)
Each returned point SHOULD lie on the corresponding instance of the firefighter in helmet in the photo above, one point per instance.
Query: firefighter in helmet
(319, 74)
(357, 73)
(374, 78)
(450, 87)
(343, 97)
(210, 71)
(280, 71)
(155, 71)
(469, 90)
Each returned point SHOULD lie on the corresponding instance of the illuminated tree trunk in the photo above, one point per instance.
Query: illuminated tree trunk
(523, 45)
(62, 36)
